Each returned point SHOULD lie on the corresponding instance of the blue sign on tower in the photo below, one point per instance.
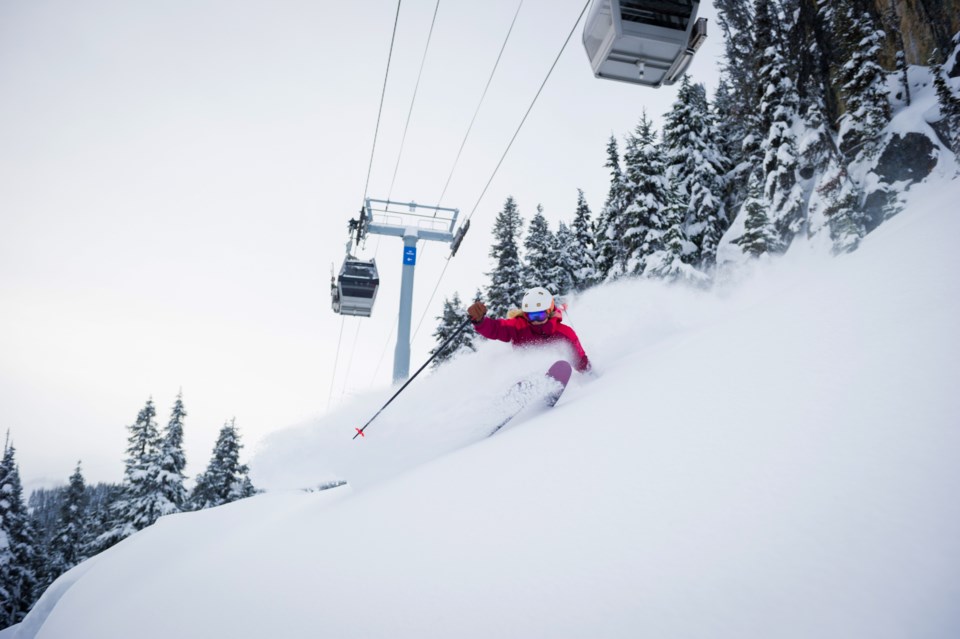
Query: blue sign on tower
(410, 255)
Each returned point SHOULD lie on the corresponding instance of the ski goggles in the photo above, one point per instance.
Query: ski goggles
(537, 316)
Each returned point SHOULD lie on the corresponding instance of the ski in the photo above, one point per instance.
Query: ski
(558, 374)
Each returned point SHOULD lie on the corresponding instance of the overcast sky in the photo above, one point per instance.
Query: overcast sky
(176, 178)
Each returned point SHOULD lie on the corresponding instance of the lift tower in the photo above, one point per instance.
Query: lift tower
(412, 222)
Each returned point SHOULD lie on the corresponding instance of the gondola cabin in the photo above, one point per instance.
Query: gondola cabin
(647, 42)
(355, 289)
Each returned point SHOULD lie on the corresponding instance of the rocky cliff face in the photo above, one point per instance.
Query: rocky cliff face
(925, 24)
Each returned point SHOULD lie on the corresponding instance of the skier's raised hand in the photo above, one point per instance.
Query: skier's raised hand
(476, 311)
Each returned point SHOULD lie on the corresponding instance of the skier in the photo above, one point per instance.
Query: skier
(538, 322)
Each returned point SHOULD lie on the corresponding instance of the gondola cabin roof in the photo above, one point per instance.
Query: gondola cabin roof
(647, 42)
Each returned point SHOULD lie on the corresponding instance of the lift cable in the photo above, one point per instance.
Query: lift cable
(479, 104)
(403, 139)
(396, 168)
(517, 132)
(413, 100)
(450, 177)
(383, 94)
(529, 109)
(507, 150)
(426, 309)
(453, 168)
(336, 358)
(366, 186)
(353, 348)
(474, 119)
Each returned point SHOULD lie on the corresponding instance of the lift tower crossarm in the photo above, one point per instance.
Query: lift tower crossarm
(412, 226)
(423, 234)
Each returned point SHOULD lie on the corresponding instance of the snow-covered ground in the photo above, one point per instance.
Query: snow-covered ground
(775, 458)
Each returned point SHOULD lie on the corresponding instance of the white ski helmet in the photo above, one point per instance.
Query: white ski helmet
(537, 299)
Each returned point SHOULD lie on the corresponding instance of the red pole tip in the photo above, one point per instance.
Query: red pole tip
(359, 432)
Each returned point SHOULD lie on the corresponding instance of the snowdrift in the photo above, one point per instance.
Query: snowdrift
(774, 458)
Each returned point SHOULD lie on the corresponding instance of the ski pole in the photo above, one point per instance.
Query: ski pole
(412, 377)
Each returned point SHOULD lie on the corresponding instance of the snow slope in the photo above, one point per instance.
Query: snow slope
(778, 458)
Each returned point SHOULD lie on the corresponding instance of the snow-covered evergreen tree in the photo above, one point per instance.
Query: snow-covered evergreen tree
(738, 85)
(610, 247)
(563, 261)
(835, 204)
(538, 253)
(102, 518)
(19, 559)
(732, 133)
(947, 86)
(735, 102)
(142, 502)
(647, 197)
(778, 114)
(172, 462)
(817, 150)
(226, 479)
(861, 79)
(582, 251)
(844, 214)
(759, 236)
(450, 321)
(666, 261)
(71, 536)
(695, 168)
(506, 280)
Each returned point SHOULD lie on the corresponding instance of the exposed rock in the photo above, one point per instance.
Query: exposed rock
(908, 157)
(878, 206)
(911, 158)
(925, 24)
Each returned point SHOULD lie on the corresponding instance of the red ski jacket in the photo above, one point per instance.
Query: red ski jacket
(521, 332)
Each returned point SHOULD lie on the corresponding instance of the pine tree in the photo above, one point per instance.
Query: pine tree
(102, 516)
(805, 41)
(667, 260)
(506, 281)
(862, 81)
(226, 479)
(582, 250)
(845, 216)
(18, 552)
(735, 101)
(68, 545)
(450, 320)
(759, 236)
(537, 249)
(610, 248)
(778, 114)
(647, 197)
(44, 507)
(836, 204)
(732, 131)
(948, 93)
(172, 462)
(564, 262)
(817, 151)
(142, 502)
(695, 166)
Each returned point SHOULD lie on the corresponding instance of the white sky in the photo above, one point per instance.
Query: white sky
(176, 178)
